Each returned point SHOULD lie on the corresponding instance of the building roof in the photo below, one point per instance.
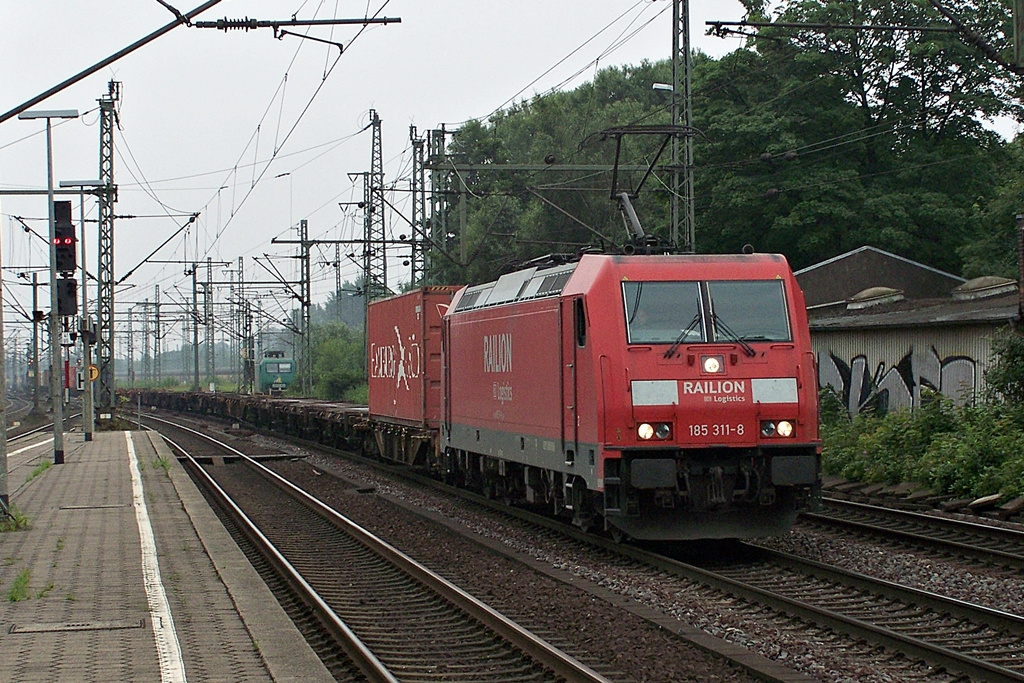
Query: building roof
(839, 279)
(995, 310)
(871, 288)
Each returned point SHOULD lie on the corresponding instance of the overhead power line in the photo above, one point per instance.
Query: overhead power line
(109, 60)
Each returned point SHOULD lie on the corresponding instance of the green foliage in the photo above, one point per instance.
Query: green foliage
(345, 306)
(811, 143)
(14, 520)
(19, 589)
(992, 249)
(977, 458)
(974, 450)
(891, 449)
(1005, 377)
(359, 393)
(338, 361)
(39, 469)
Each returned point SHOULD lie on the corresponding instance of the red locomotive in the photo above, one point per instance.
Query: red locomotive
(660, 397)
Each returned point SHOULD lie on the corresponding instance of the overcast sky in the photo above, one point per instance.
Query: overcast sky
(255, 133)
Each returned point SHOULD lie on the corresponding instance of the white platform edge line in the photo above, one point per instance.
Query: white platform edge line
(172, 666)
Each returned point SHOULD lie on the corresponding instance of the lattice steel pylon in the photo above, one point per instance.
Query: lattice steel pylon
(375, 262)
(158, 347)
(681, 181)
(307, 302)
(438, 219)
(147, 358)
(105, 272)
(420, 246)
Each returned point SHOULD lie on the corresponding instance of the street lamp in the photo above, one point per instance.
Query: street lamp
(56, 394)
(86, 332)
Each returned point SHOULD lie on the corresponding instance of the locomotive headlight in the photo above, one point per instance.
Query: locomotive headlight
(783, 428)
(712, 364)
(661, 431)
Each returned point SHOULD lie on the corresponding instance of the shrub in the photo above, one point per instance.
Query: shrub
(884, 449)
(1005, 377)
(974, 450)
(980, 457)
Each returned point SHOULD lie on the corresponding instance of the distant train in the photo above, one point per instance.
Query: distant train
(275, 372)
(655, 397)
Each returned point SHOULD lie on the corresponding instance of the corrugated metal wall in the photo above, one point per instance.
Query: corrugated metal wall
(888, 366)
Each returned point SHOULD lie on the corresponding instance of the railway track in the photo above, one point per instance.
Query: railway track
(970, 640)
(976, 641)
(399, 620)
(943, 634)
(981, 542)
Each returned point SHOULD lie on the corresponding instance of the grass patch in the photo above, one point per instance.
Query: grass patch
(163, 463)
(42, 467)
(42, 592)
(15, 522)
(19, 590)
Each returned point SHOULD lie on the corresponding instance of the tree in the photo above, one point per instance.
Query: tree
(811, 143)
(338, 362)
(346, 307)
(1005, 377)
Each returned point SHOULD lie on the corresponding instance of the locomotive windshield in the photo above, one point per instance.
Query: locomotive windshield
(688, 312)
(660, 312)
(752, 310)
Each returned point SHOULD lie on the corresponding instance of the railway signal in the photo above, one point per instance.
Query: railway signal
(67, 297)
(64, 241)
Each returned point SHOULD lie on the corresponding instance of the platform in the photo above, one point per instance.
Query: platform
(125, 574)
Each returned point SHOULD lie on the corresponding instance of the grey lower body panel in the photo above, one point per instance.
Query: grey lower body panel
(525, 449)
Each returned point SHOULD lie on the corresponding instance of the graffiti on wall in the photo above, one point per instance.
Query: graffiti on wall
(885, 386)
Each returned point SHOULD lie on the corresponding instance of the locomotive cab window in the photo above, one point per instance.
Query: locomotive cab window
(662, 312)
(581, 323)
(751, 310)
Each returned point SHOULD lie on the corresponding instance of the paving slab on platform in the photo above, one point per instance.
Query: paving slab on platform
(87, 603)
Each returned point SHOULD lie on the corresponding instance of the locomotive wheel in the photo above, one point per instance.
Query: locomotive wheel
(618, 535)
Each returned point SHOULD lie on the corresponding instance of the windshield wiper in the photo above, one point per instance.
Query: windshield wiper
(682, 335)
(732, 336)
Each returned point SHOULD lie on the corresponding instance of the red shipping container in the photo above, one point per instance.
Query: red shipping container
(404, 353)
